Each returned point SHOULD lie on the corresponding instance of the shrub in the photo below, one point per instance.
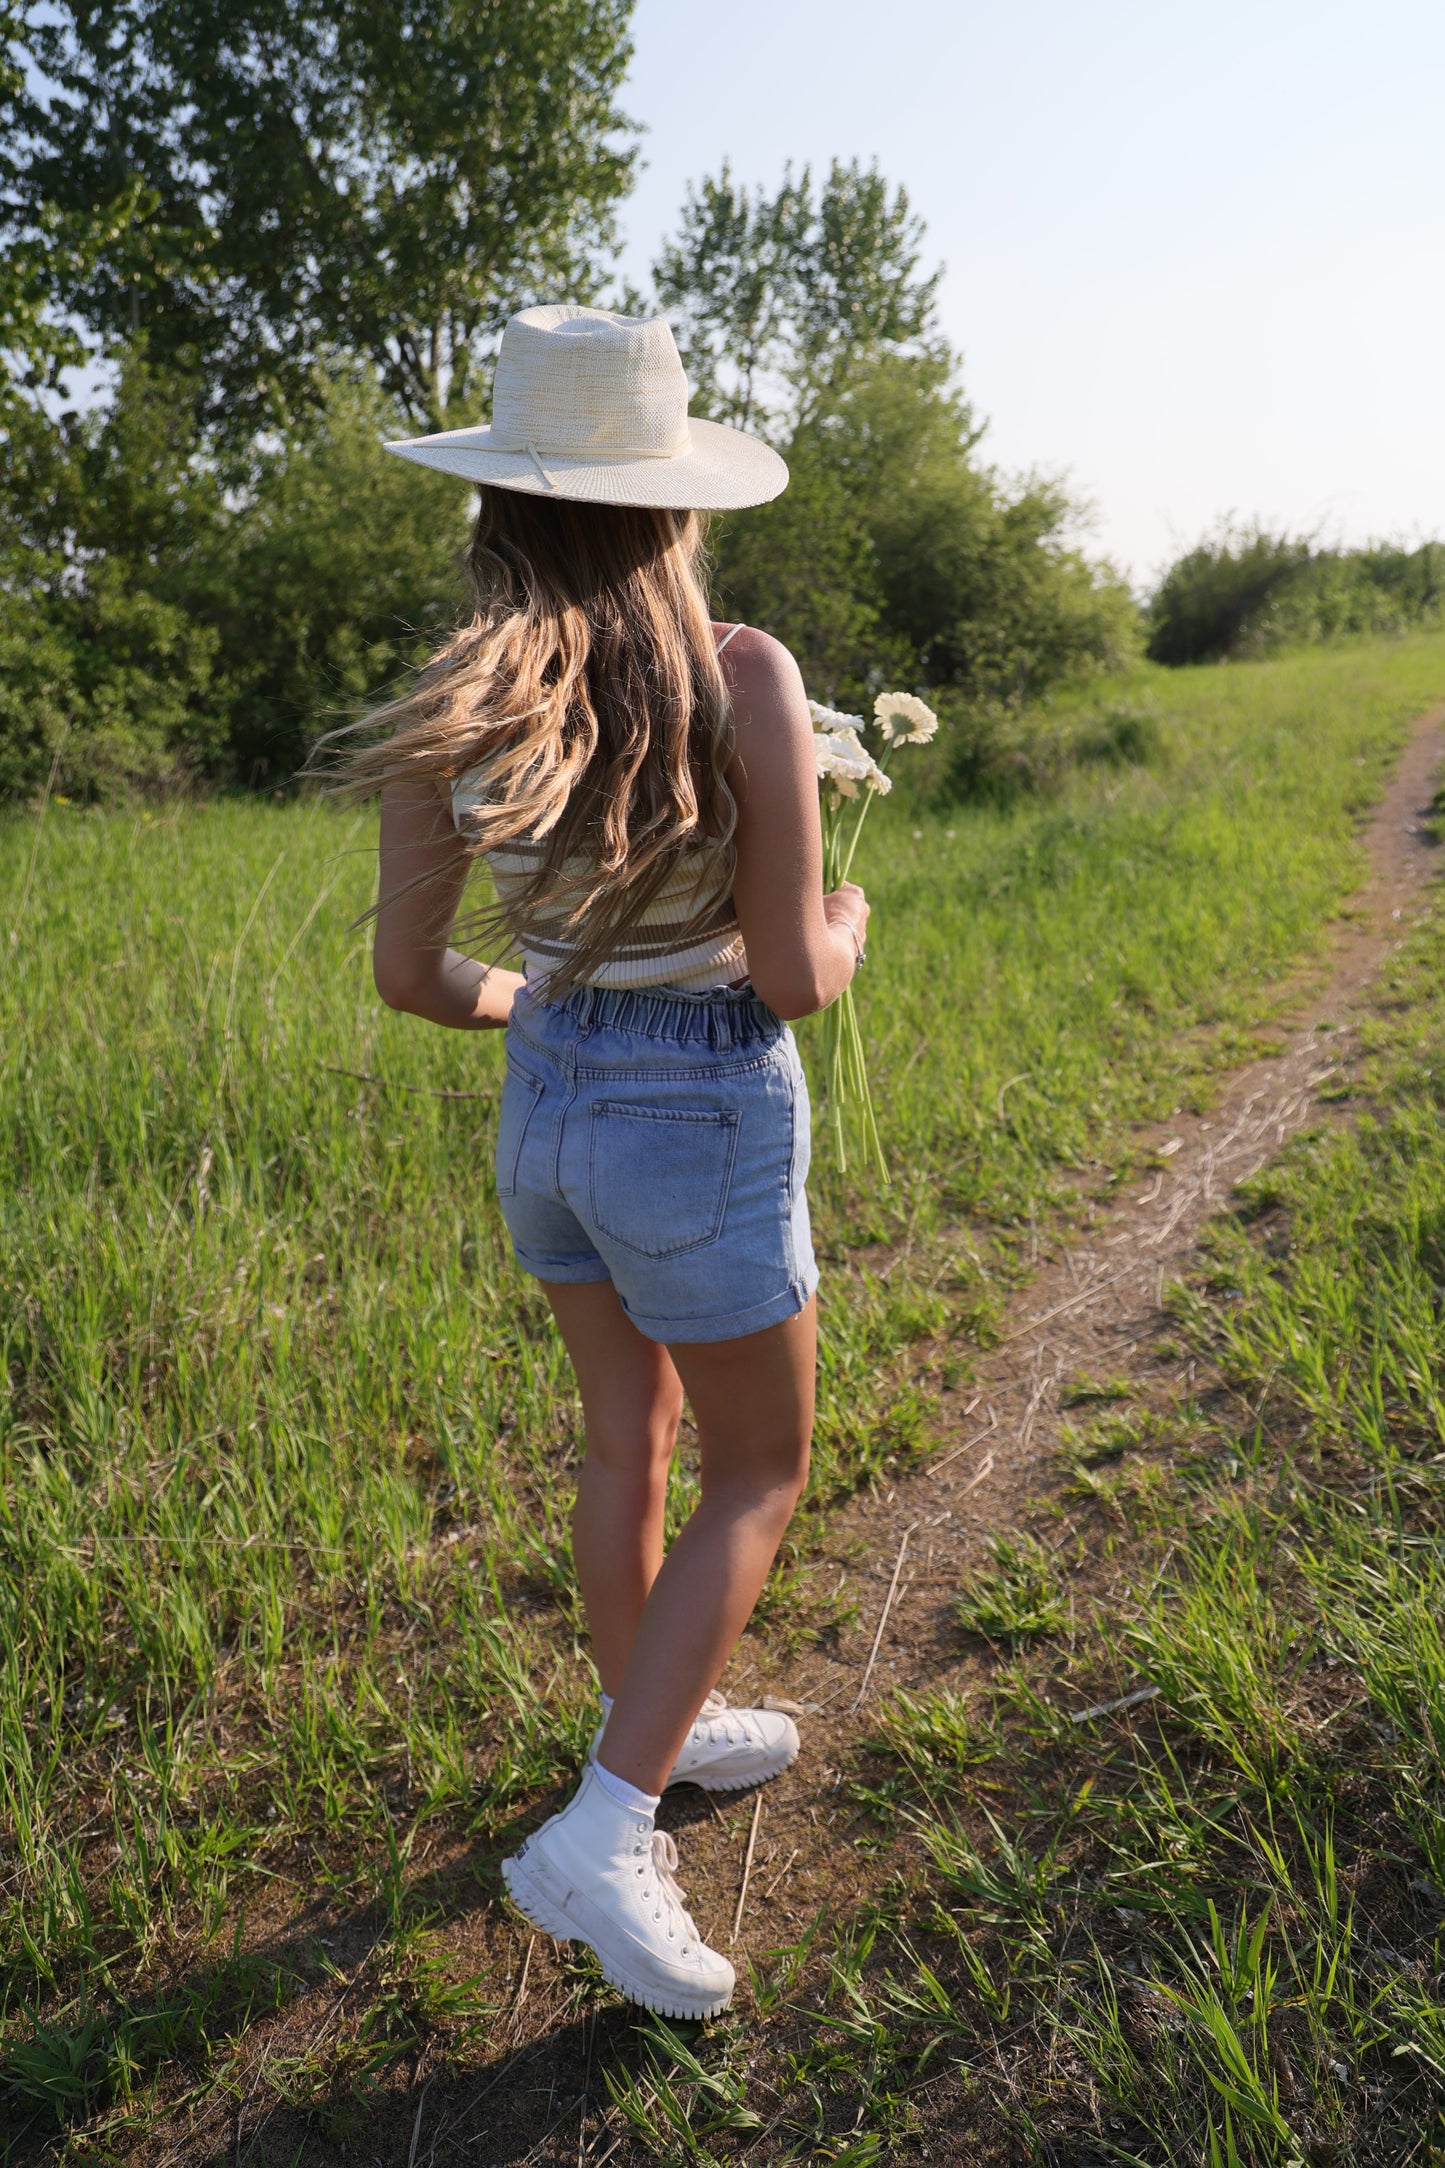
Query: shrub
(929, 566)
(1247, 590)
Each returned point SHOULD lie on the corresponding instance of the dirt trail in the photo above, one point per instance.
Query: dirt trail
(1092, 1308)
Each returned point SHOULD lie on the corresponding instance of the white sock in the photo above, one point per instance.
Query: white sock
(606, 1707)
(627, 1795)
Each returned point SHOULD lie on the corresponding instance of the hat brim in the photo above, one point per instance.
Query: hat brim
(721, 471)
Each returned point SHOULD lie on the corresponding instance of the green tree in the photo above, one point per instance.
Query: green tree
(280, 181)
(778, 300)
(101, 659)
(338, 572)
(154, 626)
(895, 551)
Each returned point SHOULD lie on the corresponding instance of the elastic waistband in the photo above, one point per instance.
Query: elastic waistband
(718, 1017)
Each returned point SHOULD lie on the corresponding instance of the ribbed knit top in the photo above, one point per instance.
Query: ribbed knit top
(688, 936)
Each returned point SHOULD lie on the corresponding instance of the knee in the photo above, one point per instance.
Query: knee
(770, 1476)
(640, 1444)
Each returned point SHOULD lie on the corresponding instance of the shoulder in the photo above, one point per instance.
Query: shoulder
(773, 731)
(763, 678)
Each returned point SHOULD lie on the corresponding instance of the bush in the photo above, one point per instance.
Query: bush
(998, 753)
(895, 555)
(1247, 591)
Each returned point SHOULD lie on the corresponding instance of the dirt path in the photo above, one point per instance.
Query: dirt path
(1091, 1309)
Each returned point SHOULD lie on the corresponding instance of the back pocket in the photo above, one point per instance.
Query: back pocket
(520, 1094)
(658, 1178)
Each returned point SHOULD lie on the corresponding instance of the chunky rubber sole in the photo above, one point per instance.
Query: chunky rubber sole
(536, 1906)
(737, 1784)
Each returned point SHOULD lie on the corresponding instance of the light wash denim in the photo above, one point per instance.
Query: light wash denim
(659, 1139)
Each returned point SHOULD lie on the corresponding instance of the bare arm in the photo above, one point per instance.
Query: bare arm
(802, 945)
(413, 967)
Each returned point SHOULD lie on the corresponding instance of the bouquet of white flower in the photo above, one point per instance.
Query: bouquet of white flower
(846, 768)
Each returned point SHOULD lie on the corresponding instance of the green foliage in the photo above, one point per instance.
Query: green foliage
(778, 301)
(1247, 590)
(893, 554)
(929, 567)
(181, 598)
(107, 668)
(1017, 1596)
(265, 186)
(155, 624)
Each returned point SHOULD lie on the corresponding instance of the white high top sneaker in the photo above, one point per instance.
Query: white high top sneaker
(729, 1749)
(599, 1873)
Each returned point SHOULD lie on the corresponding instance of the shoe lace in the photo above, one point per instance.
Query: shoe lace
(715, 1714)
(670, 1894)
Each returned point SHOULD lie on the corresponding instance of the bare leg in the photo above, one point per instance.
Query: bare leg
(753, 1401)
(631, 1401)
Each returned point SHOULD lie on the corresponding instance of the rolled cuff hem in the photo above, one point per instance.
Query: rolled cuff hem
(578, 1272)
(735, 1324)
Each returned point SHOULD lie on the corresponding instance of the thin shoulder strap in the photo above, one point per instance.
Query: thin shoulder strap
(722, 643)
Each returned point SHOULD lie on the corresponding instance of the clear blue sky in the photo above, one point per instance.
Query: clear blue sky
(1194, 255)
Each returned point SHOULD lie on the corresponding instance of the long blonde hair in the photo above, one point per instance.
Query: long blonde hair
(584, 698)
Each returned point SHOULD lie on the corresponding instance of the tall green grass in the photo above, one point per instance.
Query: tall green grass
(287, 1442)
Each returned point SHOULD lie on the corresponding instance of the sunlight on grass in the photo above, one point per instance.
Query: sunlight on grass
(288, 1443)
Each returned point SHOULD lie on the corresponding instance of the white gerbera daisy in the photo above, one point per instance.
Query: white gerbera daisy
(904, 719)
(844, 762)
(833, 720)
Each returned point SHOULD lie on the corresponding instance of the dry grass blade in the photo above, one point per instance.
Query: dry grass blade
(747, 1866)
(1112, 1708)
(883, 1619)
(1075, 1302)
(935, 1467)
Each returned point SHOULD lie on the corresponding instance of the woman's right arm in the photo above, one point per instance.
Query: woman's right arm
(803, 946)
(424, 867)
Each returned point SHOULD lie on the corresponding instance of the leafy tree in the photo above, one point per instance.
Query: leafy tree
(778, 299)
(895, 550)
(278, 182)
(101, 661)
(155, 626)
(336, 573)
(977, 574)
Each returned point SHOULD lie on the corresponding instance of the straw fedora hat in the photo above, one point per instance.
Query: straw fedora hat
(589, 404)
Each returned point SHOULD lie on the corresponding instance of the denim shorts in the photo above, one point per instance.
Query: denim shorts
(659, 1139)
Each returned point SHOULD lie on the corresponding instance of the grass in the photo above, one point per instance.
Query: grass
(1209, 1926)
(1015, 1597)
(287, 1448)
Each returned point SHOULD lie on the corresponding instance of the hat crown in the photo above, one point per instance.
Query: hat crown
(591, 383)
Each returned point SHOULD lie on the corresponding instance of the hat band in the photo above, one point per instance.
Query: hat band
(594, 455)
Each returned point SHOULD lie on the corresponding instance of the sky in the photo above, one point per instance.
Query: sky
(1193, 255)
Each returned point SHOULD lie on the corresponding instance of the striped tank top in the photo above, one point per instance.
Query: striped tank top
(688, 936)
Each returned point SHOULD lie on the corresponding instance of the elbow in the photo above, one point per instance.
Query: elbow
(395, 981)
(792, 995)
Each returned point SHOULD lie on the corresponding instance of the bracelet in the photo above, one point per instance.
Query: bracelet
(861, 956)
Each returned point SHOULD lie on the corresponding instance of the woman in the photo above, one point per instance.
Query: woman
(642, 784)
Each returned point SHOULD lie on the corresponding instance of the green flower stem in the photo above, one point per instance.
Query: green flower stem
(845, 1069)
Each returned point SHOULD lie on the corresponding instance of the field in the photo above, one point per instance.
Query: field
(287, 1445)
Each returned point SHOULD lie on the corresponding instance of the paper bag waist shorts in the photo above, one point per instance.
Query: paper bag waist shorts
(660, 1139)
